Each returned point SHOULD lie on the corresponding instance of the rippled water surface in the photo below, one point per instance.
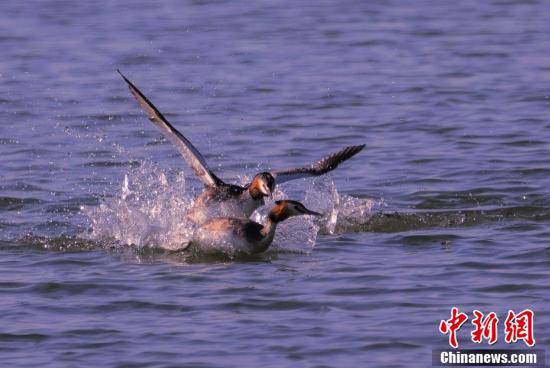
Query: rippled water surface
(448, 204)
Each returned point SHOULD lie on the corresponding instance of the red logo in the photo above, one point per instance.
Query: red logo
(518, 326)
(452, 325)
(485, 327)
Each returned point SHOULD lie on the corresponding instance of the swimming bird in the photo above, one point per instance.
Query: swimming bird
(220, 199)
(244, 235)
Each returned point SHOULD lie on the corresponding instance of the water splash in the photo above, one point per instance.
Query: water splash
(148, 211)
(343, 213)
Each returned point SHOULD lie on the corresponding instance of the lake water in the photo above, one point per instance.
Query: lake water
(448, 204)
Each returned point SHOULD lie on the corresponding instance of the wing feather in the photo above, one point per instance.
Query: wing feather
(324, 165)
(191, 155)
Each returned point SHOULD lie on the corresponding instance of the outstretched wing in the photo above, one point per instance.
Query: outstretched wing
(186, 148)
(320, 167)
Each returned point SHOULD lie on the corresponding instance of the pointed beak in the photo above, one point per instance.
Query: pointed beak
(313, 213)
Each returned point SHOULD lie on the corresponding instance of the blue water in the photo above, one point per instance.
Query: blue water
(448, 205)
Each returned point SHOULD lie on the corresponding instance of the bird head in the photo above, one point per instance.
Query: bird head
(288, 208)
(262, 185)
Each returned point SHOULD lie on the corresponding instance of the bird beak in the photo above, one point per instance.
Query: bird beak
(313, 213)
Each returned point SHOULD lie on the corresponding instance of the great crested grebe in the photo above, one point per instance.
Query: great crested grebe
(244, 235)
(220, 199)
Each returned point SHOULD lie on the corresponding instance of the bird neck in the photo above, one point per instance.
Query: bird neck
(254, 192)
(268, 231)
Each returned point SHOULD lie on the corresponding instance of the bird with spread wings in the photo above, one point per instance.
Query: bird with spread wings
(241, 200)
